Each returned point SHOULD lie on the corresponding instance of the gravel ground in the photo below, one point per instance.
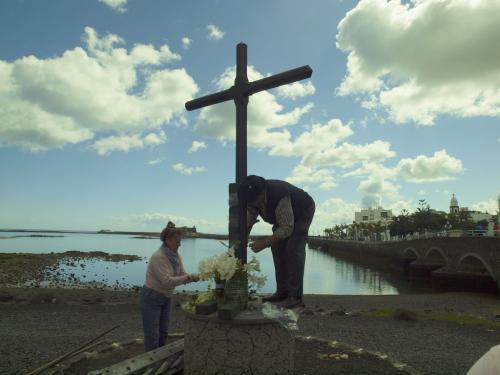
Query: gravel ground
(38, 325)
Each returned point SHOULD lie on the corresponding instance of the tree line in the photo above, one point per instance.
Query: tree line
(423, 219)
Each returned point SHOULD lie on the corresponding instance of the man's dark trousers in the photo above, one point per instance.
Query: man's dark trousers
(289, 257)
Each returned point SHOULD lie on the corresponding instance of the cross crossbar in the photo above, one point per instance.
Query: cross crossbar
(250, 88)
(240, 92)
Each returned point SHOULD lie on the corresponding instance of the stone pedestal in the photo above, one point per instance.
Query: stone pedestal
(248, 344)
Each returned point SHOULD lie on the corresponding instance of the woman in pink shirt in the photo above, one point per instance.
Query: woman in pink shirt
(165, 271)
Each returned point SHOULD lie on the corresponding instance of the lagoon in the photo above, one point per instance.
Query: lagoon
(324, 274)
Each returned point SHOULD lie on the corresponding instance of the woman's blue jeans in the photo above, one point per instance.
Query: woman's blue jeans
(155, 310)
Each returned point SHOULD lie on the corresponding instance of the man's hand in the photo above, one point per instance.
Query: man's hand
(193, 277)
(259, 245)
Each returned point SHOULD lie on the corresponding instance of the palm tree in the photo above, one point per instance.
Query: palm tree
(377, 229)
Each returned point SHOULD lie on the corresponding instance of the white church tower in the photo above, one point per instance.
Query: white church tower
(454, 205)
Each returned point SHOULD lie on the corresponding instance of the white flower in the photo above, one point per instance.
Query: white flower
(224, 266)
(206, 268)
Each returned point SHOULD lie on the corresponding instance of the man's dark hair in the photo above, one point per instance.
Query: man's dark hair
(251, 188)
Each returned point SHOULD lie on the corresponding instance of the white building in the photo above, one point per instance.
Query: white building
(454, 205)
(373, 215)
(475, 216)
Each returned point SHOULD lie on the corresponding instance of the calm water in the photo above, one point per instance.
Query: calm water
(323, 273)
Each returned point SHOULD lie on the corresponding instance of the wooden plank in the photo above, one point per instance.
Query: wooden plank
(69, 354)
(176, 367)
(142, 362)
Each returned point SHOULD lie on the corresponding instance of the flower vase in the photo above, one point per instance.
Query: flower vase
(237, 290)
(219, 292)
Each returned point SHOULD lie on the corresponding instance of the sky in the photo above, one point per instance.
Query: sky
(403, 105)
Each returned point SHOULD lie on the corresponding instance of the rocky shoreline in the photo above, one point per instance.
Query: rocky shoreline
(35, 270)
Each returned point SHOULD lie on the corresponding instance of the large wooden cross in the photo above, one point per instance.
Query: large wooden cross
(240, 92)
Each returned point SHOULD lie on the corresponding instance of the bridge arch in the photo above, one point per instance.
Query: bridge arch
(436, 255)
(410, 254)
(472, 262)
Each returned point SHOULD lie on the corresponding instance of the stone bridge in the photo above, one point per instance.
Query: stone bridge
(447, 262)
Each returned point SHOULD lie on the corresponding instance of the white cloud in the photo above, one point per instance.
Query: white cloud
(186, 42)
(214, 33)
(188, 171)
(347, 154)
(397, 206)
(425, 58)
(155, 161)
(439, 167)
(125, 143)
(197, 146)
(377, 184)
(118, 5)
(421, 192)
(317, 139)
(296, 90)
(490, 206)
(333, 211)
(161, 219)
(72, 98)
(155, 139)
(265, 120)
(374, 189)
(302, 175)
(375, 169)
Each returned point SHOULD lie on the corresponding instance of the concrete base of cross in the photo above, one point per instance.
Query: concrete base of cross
(248, 344)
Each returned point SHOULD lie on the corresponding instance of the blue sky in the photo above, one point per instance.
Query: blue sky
(403, 104)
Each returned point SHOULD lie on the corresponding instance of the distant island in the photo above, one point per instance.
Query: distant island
(187, 232)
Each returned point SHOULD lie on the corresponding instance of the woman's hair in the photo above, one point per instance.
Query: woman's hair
(170, 231)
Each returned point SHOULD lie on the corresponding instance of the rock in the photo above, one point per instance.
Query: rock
(5, 296)
(43, 297)
(401, 314)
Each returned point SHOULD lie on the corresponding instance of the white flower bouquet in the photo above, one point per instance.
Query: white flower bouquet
(224, 266)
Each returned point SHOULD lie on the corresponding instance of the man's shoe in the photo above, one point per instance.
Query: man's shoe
(292, 302)
(276, 297)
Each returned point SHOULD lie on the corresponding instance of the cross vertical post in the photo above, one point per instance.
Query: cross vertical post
(240, 93)
(241, 103)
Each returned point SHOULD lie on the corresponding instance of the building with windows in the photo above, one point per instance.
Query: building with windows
(475, 216)
(377, 216)
(373, 215)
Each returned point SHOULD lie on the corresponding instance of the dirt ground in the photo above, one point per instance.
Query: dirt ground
(39, 324)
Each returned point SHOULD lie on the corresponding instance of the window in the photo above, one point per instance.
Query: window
(383, 215)
(365, 218)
